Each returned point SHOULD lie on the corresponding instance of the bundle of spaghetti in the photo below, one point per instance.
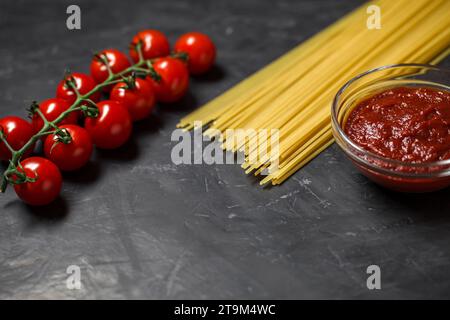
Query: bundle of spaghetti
(291, 97)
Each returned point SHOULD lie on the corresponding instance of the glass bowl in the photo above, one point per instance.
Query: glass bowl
(393, 174)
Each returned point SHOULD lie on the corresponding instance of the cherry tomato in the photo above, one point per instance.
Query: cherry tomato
(200, 50)
(71, 156)
(139, 100)
(112, 128)
(18, 132)
(52, 109)
(48, 182)
(174, 81)
(84, 82)
(118, 62)
(154, 45)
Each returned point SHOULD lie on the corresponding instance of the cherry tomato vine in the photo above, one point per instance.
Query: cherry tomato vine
(135, 88)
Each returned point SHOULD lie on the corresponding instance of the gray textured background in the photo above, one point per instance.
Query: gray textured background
(141, 227)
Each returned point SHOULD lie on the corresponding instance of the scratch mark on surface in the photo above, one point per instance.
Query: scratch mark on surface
(419, 269)
(336, 256)
(154, 168)
(304, 183)
(344, 267)
(206, 185)
(195, 208)
(201, 215)
(291, 205)
(285, 196)
(173, 274)
(219, 178)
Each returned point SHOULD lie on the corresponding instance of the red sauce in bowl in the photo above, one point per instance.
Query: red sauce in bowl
(405, 123)
(408, 124)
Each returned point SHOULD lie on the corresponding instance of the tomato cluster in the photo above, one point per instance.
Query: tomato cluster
(69, 145)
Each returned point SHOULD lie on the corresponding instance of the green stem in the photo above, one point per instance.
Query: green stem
(4, 183)
(8, 146)
(139, 51)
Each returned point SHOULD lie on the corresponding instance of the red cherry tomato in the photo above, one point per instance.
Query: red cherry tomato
(52, 109)
(139, 100)
(174, 81)
(18, 132)
(154, 45)
(200, 50)
(84, 83)
(112, 128)
(118, 61)
(48, 182)
(71, 156)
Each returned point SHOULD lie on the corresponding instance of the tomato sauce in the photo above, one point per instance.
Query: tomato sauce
(408, 124)
(405, 123)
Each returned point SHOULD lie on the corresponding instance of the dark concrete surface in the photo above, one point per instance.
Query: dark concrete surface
(140, 227)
